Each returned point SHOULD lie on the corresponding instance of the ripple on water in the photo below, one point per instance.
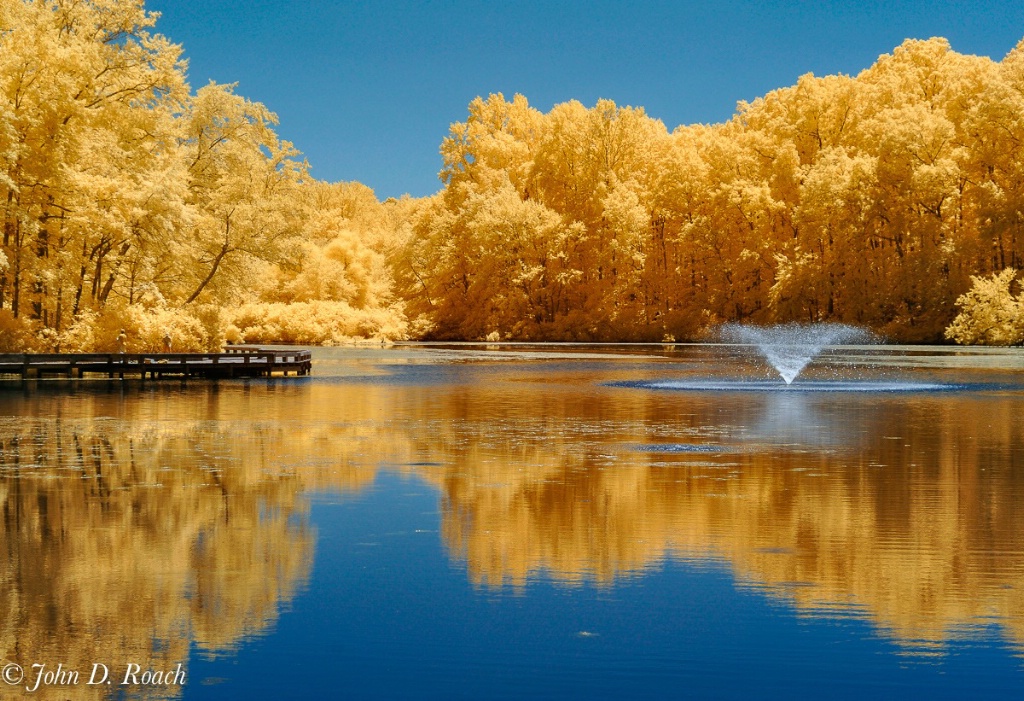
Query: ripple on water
(677, 448)
(716, 385)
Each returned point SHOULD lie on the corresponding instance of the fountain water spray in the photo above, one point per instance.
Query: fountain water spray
(790, 347)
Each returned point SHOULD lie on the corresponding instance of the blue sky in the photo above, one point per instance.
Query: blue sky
(367, 90)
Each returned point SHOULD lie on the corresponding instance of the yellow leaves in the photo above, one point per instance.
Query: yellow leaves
(345, 270)
(815, 114)
(89, 98)
(331, 280)
(242, 186)
(495, 141)
(909, 136)
(320, 322)
(344, 205)
(627, 219)
(543, 221)
(990, 314)
(912, 73)
(935, 182)
(120, 186)
(1011, 68)
(835, 178)
(868, 199)
(16, 335)
(583, 151)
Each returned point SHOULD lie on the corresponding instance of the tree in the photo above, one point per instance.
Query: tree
(241, 184)
(990, 313)
(88, 99)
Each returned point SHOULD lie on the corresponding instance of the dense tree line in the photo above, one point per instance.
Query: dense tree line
(869, 200)
(130, 200)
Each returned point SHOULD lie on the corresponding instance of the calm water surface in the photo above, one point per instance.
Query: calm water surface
(523, 521)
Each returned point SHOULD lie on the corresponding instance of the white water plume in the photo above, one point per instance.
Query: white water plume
(790, 347)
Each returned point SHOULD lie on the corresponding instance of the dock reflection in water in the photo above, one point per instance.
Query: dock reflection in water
(158, 524)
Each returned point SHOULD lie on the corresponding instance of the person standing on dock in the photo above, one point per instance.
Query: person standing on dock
(122, 339)
(167, 342)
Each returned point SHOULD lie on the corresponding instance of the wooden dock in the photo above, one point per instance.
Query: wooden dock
(239, 361)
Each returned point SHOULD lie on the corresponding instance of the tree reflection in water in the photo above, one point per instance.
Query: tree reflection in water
(135, 528)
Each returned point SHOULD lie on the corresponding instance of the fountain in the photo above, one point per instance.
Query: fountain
(790, 347)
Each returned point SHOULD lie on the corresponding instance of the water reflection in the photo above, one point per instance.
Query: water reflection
(138, 523)
(920, 526)
(131, 544)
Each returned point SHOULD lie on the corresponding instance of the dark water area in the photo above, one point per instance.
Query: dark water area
(514, 521)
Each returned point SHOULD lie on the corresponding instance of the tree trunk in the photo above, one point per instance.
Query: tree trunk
(109, 285)
(224, 250)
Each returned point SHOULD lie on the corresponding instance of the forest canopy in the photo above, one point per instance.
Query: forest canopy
(870, 200)
(131, 201)
(893, 200)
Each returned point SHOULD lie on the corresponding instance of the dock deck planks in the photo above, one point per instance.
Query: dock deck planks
(239, 361)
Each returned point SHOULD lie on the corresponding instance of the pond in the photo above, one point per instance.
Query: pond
(512, 521)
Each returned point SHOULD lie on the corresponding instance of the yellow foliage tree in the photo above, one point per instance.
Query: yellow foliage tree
(869, 200)
(990, 313)
(129, 201)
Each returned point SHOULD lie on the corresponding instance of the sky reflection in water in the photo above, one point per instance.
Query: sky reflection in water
(436, 523)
